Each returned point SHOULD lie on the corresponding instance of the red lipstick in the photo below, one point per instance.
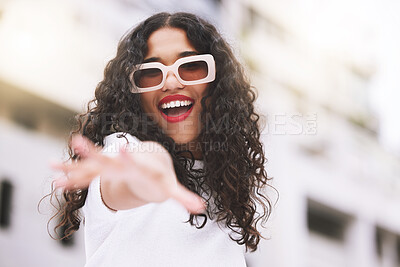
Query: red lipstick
(170, 98)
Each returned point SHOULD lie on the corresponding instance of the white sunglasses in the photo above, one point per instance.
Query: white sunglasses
(189, 70)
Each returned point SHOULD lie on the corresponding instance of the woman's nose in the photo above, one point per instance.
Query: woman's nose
(171, 82)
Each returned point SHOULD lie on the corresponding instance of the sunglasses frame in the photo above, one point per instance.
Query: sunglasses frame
(208, 58)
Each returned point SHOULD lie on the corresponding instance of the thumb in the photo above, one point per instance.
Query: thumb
(191, 201)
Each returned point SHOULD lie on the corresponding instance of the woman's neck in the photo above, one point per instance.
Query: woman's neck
(193, 147)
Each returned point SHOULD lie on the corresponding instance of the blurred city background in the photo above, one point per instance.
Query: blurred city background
(327, 74)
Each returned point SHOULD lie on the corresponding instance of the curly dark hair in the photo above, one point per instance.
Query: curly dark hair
(234, 174)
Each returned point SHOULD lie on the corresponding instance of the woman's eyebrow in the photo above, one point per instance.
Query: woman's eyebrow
(188, 53)
(152, 59)
(180, 55)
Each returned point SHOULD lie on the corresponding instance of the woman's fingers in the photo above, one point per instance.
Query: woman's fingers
(75, 181)
(83, 146)
(147, 173)
(77, 175)
(191, 201)
(60, 166)
(66, 167)
(60, 182)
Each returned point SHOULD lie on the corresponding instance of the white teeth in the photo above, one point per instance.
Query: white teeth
(175, 104)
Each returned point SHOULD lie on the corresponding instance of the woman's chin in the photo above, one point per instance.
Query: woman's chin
(184, 139)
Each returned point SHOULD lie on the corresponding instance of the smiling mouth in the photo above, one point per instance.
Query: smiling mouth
(176, 108)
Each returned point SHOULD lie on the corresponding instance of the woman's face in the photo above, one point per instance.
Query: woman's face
(166, 45)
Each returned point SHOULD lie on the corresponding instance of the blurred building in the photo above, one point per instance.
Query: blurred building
(313, 68)
(339, 188)
(33, 131)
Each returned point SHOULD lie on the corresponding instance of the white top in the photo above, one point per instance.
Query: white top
(155, 234)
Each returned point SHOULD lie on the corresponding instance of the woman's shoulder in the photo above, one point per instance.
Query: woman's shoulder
(114, 142)
(120, 137)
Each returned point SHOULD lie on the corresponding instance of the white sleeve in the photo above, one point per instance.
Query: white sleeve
(99, 219)
(94, 205)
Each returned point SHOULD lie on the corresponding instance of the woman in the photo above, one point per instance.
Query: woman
(174, 117)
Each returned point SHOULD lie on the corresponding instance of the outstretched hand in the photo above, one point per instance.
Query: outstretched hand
(134, 176)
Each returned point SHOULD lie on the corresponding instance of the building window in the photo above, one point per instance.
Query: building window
(257, 20)
(379, 241)
(326, 222)
(5, 203)
(398, 250)
(387, 246)
(28, 120)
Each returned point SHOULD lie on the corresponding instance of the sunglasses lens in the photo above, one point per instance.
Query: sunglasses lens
(192, 71)
(147, 77)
